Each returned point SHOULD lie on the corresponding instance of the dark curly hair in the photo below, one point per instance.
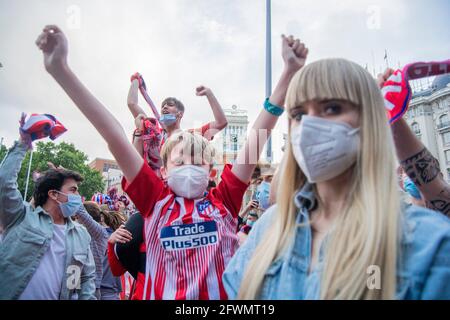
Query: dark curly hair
(52, 179)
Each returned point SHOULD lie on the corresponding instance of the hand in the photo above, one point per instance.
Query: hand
(203, 91)
(382, 77)
(25, 138)
(138, 77)
(53, 44)
(52, 166)
(396, 92)
(35, 176)
(294, 53)
(253, 204)
(121, 235)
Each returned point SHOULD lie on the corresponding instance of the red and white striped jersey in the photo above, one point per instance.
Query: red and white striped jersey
(126, 280)
(189, 242)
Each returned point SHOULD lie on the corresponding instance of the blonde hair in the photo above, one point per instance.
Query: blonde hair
(366, 232)
(200, 150)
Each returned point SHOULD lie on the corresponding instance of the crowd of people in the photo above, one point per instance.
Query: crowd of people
(356, 190)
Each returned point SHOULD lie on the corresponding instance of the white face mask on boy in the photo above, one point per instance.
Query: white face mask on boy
(324, 148)
(188, 181)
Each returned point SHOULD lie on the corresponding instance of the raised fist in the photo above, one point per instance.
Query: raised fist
(53, 44)
(294, 53)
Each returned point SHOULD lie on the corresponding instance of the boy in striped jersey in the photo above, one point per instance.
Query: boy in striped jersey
(190, 234)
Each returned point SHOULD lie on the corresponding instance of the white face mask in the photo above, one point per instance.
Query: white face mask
(323, 148)
(188, 181)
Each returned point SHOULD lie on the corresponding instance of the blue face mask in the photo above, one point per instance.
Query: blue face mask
(72, 205)
(250, 223)
(411, 188)
(167, 119)
(263, 193)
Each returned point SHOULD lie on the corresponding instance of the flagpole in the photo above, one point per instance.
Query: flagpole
(268, 68)
(386, 58)
(28, 176)
(373, 65)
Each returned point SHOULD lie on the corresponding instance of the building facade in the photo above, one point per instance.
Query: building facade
(110, 170)
(429, 117)
(103, 165)
(231, 139)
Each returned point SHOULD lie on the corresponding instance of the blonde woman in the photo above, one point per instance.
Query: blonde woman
(338, 229)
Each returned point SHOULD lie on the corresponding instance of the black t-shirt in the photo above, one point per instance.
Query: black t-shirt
(129, 253)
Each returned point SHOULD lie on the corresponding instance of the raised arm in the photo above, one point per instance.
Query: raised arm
(418, 163)
(138, 134)
(220, 120)
(12, 208)
(423, 169)
(133, 98)
(53, 43)
(294, 54)
(95, 229)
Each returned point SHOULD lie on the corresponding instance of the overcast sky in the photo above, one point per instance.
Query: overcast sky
(179, 44)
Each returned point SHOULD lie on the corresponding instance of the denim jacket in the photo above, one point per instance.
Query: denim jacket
(27, 235)
(423, 268)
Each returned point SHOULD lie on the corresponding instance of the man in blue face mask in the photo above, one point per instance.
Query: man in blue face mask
(413, 191)
(172, 111)
(263, 189)
(45, 256)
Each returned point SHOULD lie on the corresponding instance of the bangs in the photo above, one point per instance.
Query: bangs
(328, 79)
(193, 144)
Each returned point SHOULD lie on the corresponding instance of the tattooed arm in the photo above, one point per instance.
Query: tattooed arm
(418, 163)
(423, 169)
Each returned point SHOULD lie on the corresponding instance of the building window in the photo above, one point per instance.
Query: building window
(446, 138)
(447, 155)
(444, 121)
(108, 166)
(448, 174)
(416, 128)
(234, 145)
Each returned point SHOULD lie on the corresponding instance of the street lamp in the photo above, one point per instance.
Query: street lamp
(268, 68)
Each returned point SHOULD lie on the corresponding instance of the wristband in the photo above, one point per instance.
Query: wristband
(273, 109)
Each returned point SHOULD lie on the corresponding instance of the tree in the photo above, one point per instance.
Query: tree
(65, 155)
